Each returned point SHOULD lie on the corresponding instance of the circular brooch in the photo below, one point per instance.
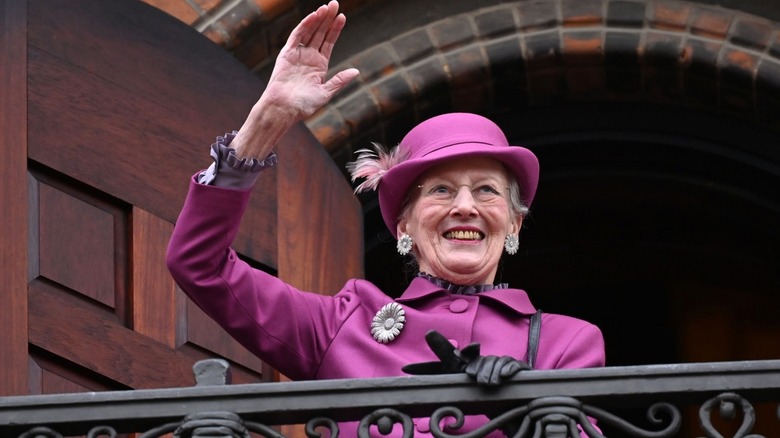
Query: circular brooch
(388, 322)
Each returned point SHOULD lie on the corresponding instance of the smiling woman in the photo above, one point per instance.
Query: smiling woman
(453, 191)
(459, 233)
(453, 233)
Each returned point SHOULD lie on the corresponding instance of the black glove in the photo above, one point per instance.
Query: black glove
(490, 370)
(487, 370)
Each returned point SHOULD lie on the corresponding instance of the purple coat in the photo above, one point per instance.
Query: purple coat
(310, 336)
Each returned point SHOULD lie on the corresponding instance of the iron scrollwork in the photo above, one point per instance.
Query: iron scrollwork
(228, 424)
(41, 432)
(727, 404)
(45, 432)
(101, 432)
(209, 424)
(314, 423)
(558, 417)
(549, 417)
(385, 419)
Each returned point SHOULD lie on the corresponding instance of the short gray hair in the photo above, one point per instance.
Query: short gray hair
(515, 200)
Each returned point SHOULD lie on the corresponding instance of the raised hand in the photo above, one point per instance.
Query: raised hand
(298, 85)
(299, 79)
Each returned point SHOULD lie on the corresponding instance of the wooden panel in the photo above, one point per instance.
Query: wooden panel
(147, 53)
(123, 104)
(205, 333)
(76, 244)
(127, 100)
(325, 250)
(122, 101)
(56, 382)
(13, 197)
(71, 329)
(161, 311)
(52, 375)
(256, 237)
(155, 304)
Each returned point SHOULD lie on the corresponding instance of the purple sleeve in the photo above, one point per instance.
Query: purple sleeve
(289, 329)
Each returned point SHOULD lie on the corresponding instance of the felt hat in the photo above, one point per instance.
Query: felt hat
(433, 142)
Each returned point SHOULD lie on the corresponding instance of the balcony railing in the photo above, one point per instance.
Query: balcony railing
(537, 404)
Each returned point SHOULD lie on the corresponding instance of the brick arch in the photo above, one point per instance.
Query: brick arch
(676, 202)
(541, 53)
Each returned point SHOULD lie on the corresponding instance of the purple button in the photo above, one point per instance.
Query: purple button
(453, 342)
(459, 306)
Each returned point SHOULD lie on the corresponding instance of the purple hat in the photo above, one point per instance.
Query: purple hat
(432, 142)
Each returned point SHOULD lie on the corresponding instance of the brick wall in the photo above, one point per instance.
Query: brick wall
(541, 53)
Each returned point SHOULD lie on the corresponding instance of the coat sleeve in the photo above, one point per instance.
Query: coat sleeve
(285, 327)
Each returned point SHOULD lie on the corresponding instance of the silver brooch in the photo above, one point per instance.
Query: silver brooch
(388, 322)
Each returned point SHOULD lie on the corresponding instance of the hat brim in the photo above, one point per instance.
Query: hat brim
(395, 185)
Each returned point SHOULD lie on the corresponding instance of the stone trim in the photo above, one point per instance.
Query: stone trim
(543, 53)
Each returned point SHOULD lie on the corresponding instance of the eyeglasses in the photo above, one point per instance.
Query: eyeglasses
(483, 193)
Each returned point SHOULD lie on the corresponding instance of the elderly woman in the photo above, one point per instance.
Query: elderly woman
(453, 192)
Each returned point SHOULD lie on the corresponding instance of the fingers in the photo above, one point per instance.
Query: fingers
(485, 370)
(330, 22)
(441, 347)
(475, 368)
(491, 370)
(513, 367)
(340, 80)
(326, 48)
(302, 32)
(324, 24)
(494, 376)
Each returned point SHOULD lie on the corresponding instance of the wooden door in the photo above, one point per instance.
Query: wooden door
(106, 110)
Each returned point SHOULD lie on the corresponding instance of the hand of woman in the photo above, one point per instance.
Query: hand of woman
(298, 85)
(486, 370)
(492, 370)
(298, 81)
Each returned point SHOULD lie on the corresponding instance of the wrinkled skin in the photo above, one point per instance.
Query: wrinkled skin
(430, 221)
(298, 85)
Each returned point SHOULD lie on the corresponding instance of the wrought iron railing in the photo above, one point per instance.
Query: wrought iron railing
(553, 404)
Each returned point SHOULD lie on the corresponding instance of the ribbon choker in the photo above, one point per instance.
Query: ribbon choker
(459, 289)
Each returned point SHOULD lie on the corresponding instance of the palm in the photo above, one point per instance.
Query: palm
(299, 80)
(298, 86)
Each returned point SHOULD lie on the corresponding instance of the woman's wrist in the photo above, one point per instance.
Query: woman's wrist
(228, 170)
(266, 124)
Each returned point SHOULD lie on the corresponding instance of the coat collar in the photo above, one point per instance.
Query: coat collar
(515, 299)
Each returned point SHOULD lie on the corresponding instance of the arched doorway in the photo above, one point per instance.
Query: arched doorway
(656, 128)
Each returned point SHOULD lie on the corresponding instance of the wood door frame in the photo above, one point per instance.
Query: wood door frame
(109, 109)
(13, 196)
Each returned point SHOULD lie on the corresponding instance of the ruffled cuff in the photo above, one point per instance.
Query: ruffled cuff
(228, 170)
